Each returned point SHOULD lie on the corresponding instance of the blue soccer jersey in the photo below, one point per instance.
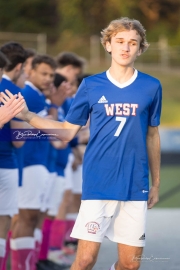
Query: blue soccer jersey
(115, 163)
(8, 158)
(35, 152)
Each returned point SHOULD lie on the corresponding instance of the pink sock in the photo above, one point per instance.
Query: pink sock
(22, 253)
(45, 241)
(57, 234)
(69, 227)
(7, 251)
(38, 241)
(2, 250)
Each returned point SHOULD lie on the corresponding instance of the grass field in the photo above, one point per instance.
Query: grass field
(170, 187)
(170, 80)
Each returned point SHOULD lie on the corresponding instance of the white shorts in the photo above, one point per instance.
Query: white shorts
(68, 172)
(57, 195)
(77, 180)
(49, 191)
(32, 193)
(8, 192)
(121, 221)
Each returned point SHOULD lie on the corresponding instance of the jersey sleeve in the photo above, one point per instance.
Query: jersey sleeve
(78, 113)
(155, 108)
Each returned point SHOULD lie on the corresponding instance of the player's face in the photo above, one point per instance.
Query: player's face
(71, 73)
(124, 48)
(42, 77)
(73, 88)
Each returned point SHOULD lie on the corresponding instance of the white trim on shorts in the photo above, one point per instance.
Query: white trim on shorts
(8, 192)
(121, 221)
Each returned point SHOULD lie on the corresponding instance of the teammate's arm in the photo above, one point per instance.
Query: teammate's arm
(65, 131)
(153, 148)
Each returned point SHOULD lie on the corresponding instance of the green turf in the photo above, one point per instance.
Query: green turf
(170, 180)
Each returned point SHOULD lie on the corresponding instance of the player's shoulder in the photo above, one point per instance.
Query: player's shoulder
(148, 79)
(29, 92)
(95, 79)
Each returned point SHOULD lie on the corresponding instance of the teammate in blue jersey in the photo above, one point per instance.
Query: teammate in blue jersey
(12, 104)
(124, 106)
(15, 54)
(32, 193)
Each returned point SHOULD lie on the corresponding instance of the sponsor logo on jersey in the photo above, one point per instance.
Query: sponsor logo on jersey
(102, 100)
(92, 227)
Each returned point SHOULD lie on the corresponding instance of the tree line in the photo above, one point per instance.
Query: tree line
(88, 17)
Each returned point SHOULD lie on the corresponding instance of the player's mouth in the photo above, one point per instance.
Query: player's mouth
(124, 56)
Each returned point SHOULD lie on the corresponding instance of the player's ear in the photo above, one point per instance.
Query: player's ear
(139, 52)
(108, 47)
(19, 66)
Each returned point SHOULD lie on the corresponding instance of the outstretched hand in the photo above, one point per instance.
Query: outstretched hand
(9, 100)
(12, 105)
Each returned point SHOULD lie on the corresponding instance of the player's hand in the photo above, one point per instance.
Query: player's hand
(58, 96)
(153, 197)
(12, 105)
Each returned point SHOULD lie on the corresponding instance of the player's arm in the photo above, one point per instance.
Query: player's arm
(12, 106)
(153, 148)
(65, 131)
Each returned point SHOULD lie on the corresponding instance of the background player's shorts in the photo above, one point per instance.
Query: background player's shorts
(120, 221)
(68, 172)
(8, 192)
(77, 180)
(48, 192)
(35, 183)
(57, 195)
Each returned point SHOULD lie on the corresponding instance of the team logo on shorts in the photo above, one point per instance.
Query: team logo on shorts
(92, 227)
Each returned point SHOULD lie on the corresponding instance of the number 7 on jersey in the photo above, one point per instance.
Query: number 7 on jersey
(121, 125)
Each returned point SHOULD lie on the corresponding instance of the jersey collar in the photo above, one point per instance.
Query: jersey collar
(33, 87)
(122, 85)
(6, 77)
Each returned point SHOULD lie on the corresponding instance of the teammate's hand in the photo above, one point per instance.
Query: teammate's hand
(58, 97)
(153, 197)
(12, 105)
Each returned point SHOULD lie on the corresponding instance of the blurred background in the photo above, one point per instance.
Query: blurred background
(53, 26)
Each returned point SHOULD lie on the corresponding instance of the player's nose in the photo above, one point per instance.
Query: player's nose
(125, 47)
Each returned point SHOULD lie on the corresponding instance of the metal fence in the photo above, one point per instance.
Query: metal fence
(28, 40)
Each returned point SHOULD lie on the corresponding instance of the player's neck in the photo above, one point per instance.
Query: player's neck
(10, 74)
(121, 73)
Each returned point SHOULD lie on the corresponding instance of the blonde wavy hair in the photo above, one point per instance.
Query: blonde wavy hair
(124, 24)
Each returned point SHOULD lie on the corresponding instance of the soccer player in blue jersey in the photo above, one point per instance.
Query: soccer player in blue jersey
(12, 104)
(124, 106)
(15, 54)
(32, 193)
